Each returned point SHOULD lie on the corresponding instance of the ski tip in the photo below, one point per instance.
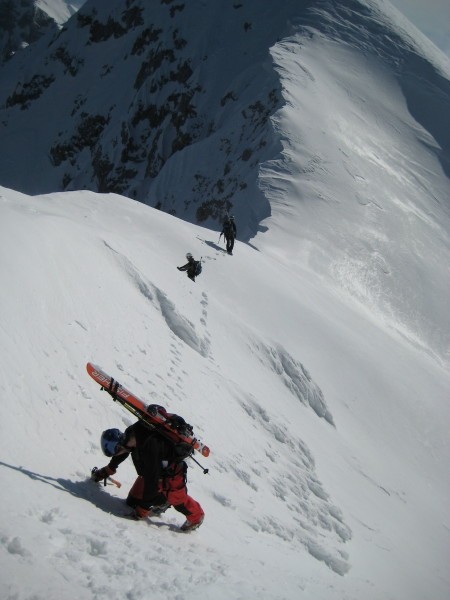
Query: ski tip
(90, 368)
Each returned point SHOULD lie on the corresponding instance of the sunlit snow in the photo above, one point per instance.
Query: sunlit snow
(314, 362)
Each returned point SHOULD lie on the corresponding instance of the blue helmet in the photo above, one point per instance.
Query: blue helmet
(110, 441)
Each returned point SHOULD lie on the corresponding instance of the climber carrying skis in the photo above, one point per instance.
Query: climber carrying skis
(161, 469)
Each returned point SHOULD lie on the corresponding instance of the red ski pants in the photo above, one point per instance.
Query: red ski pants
(173, 487)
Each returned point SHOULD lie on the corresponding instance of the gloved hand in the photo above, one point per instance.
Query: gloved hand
(179, 268)
(101, 474)
(140, 513)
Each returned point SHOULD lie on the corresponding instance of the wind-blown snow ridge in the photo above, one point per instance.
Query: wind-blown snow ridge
(294, 376)
(379, 161)
(301, 510)
(372, 27)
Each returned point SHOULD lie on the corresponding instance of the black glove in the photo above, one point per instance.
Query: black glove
(179, 268)
(101, 474)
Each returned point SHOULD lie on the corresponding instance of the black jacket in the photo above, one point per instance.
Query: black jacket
(151, 449)
(190, 267)
(229, 229)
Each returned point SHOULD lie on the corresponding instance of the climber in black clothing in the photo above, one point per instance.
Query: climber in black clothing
(229, 233)
(161, 480)
(190, 266)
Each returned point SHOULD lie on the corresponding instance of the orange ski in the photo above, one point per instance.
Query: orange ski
(139, 409)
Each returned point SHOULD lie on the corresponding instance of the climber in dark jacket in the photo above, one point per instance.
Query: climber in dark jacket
(229, 233)
(161, 481)
(190, 266)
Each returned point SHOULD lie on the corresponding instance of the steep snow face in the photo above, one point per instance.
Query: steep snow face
(329, 436)
(362, 186)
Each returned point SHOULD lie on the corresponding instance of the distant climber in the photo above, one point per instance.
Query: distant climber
(193, 267)
(229, 233)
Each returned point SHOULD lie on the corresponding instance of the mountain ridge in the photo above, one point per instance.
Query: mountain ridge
(177, 136)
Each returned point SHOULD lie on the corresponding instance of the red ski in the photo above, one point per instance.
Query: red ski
(140, 410)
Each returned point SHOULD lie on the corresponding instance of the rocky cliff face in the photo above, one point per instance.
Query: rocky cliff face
(160, 101)
(21, 23)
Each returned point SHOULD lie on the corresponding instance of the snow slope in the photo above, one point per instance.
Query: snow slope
(327, 129)
(314, 362)
(362, 189)
(329, 465)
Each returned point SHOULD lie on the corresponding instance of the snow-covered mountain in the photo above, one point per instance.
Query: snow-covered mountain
(314, 362)
(196, 108)
(171, 103)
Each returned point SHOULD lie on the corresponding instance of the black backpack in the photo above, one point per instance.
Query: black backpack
(198, 267)
(227, 228)
(181, 449)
